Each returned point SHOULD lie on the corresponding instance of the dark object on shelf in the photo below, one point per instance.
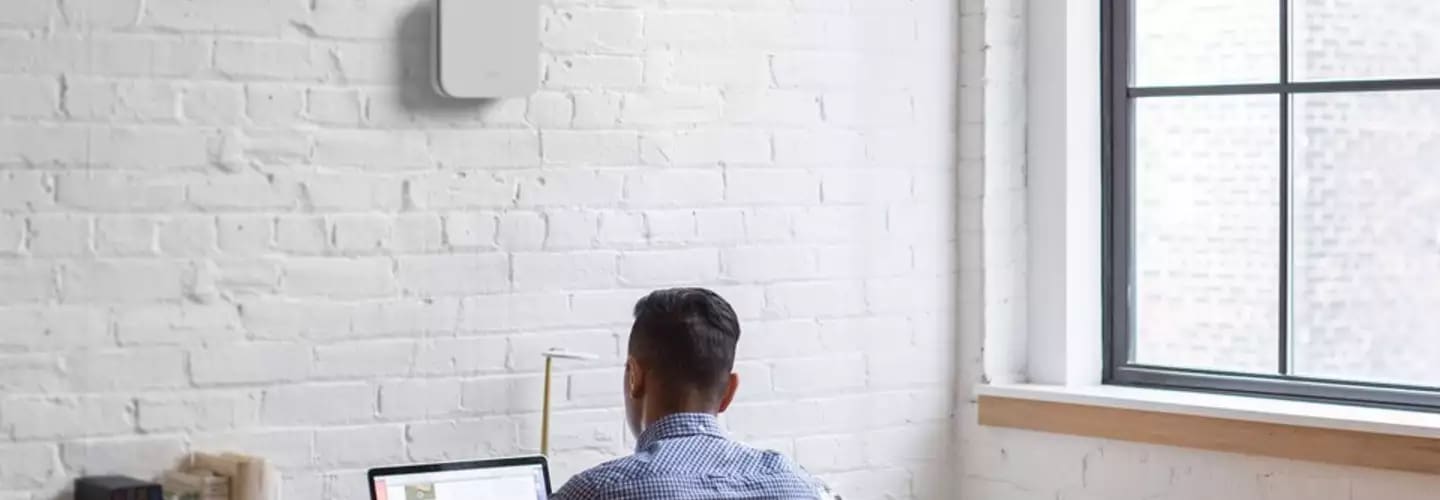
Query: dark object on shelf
(116, 488)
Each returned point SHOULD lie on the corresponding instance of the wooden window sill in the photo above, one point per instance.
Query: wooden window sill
(1343, 435)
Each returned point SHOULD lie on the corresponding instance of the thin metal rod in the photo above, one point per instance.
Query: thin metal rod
(1289, 87)
(1283, 363)
(545, 411)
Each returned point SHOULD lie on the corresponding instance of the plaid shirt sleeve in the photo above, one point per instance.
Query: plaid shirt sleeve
(595, 484)
(580, 487)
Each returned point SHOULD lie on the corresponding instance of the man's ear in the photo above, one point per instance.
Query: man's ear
(634, 379)
(730, 387)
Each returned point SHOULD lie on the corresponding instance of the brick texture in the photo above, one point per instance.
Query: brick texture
(252, 226)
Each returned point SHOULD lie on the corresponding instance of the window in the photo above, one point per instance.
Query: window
(1272, 197)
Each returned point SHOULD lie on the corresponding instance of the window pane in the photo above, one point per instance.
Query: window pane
(1367, 236)
(1207, 232)
(1355, 39)
(1202, 42)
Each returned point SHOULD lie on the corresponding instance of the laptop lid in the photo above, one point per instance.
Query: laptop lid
(520, 478)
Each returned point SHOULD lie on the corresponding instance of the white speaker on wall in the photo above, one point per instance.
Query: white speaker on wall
(486, 48)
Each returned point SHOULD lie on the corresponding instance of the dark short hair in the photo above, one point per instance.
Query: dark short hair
(688, 335)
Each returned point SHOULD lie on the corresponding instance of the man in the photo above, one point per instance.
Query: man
(677, 379)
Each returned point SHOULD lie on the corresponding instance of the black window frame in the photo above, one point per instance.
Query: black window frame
(1118, 95)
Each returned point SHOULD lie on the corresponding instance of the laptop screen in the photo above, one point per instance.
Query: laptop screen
(517, 482)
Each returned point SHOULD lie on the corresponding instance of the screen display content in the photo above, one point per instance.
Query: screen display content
(520, 482)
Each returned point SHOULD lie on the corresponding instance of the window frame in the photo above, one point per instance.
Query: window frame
(1118, 95)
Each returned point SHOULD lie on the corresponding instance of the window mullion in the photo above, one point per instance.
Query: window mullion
(1286, 347)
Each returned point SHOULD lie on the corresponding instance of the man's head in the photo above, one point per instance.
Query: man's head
(682, 351)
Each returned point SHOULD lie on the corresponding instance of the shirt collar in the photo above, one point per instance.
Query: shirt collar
(680, 425)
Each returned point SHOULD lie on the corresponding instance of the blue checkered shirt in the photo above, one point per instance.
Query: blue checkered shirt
(687, 456)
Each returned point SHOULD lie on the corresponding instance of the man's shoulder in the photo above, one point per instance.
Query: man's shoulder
(686, 454)
(770, 462)
(658, 469)
(596, 479)
(613, 470)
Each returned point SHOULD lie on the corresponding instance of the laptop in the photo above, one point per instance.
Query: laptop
(521, 478)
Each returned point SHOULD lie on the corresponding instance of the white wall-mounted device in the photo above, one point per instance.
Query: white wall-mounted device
(487, 48)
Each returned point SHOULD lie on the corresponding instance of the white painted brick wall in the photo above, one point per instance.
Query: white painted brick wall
(251, 226)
